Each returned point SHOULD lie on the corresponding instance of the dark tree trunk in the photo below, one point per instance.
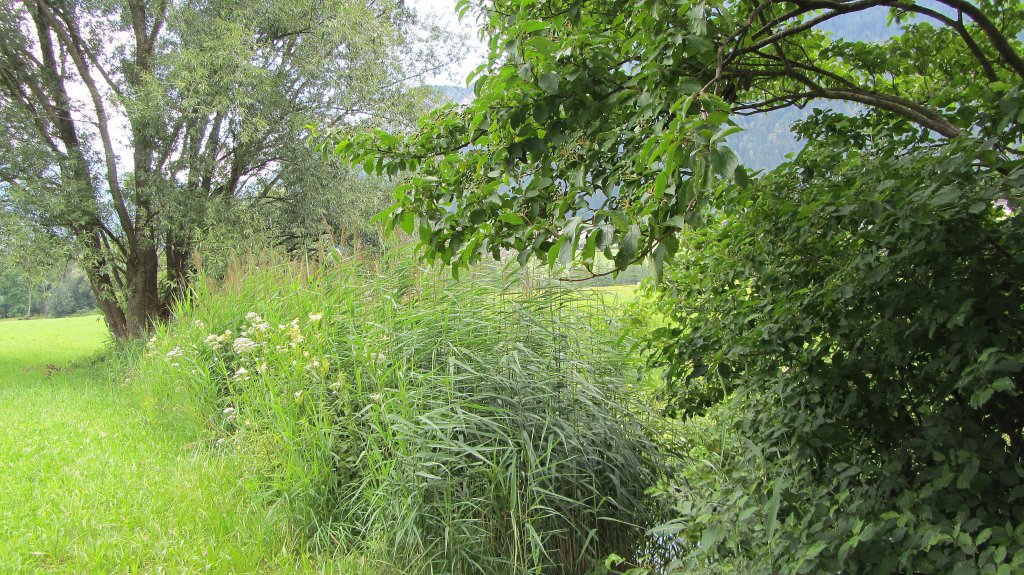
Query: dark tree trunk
(179, 265)
(144, 306)
(104, 290)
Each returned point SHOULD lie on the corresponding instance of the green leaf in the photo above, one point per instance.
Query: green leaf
(531, 26)
(566, 251)
(526, 72)
(511, 218)
(724, 162)
(666, 529)
(677, 221)
(407, 222)
(523, 256)
(555, 252)
(771, 511)
(627, 248)
(548, 82)
(387, 138)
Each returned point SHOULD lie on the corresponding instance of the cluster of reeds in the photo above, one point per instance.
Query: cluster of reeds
(433, 425)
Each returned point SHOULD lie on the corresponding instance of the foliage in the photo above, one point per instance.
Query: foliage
(436, 426)
(130, 121)
(843, 334)
(853, 329)
(32, 257)
(60, 295)
(598, 124)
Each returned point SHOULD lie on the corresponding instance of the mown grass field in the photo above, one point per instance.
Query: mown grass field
(89, 485)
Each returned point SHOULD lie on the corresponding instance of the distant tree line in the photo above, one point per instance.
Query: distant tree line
(60, 295)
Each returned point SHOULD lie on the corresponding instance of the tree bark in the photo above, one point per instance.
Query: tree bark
(28, 313)
(178, 263)
(104, 289)
(144, 306)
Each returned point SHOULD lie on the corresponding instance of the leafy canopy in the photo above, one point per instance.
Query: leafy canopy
(598, 125)
(132, 123)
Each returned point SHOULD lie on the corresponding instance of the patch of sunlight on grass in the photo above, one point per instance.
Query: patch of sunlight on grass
(89, 486)
(617, 295)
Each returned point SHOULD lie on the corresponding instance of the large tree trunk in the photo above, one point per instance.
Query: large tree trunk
(179, 265)
(144, 306)
(112, 315)
(101, 275)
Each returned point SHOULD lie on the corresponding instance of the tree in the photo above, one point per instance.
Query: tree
(32, 255)
(128, 120)
(598, 124)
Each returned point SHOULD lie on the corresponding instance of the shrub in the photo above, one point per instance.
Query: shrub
(438, 426)
(847, 348)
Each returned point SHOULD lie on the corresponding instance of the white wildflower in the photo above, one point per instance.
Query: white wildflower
(298, 396)
(229, 411)
(316, 316)
(257, 322)
(244, 345)
(262, 368)
(241, 373)
(176, 352)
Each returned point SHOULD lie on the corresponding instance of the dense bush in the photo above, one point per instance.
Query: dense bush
(847, 348)
(438, 427)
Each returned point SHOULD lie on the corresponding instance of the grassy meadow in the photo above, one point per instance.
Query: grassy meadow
(91, 484)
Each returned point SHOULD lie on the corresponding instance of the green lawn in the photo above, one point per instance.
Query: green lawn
(89, 485)
(617, 295)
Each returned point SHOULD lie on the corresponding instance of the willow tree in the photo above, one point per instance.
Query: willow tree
(125, 121)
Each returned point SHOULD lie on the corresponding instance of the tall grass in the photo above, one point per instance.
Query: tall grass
(436, 427)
